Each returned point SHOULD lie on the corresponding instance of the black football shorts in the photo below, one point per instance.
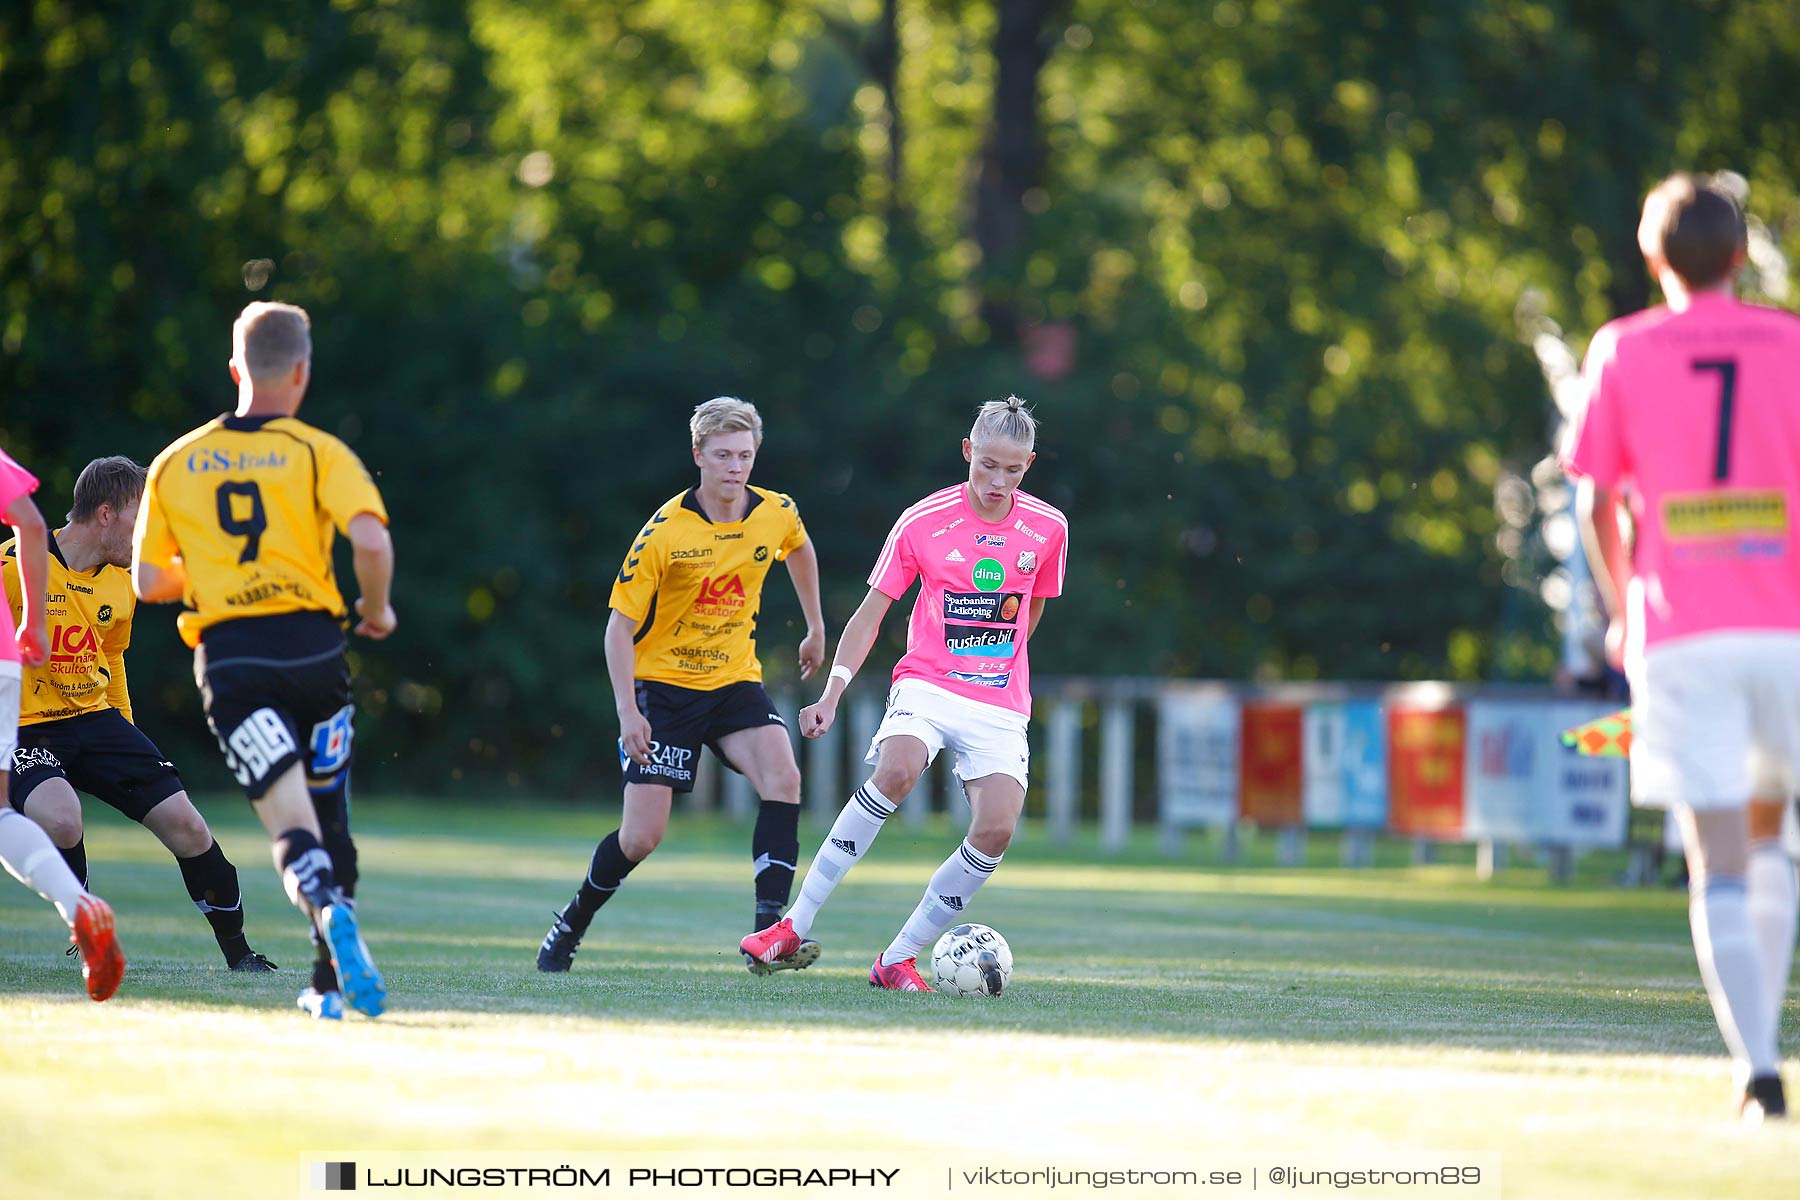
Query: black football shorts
(277, 692)
(100, 753)
(684, 719)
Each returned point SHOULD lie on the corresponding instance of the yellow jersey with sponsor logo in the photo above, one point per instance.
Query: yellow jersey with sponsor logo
(89, 618)
(251, 505)
(694, 588)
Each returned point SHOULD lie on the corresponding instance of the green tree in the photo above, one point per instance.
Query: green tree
(1264, 264)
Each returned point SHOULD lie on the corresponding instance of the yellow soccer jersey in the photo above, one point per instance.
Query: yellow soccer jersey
(250, 504)
(89, 617)
(694, 588)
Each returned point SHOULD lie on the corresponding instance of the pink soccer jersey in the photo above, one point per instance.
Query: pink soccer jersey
(15, 481)
(1696, 414)
(977, 581)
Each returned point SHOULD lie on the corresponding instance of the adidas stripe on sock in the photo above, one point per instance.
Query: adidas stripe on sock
(951, 888)
(851, 835)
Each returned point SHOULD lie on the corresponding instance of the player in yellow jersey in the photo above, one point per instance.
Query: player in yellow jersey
(238, 520)
(681, 655)
(26, 850)
(75, 726)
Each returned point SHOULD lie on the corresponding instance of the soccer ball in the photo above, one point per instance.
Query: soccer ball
(972, 960)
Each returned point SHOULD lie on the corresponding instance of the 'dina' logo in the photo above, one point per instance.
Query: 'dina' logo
(988, 575)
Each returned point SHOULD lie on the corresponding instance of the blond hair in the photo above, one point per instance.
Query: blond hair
(114, 481)
(725, 414)
(270, 338)
(1005, 420)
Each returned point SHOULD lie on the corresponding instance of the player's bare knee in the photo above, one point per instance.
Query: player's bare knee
(179, 826)
(782, 785)
(54, 808)
(1717, 842)
(990, 838)
(638, 845)
(895, 780)
(61, 822)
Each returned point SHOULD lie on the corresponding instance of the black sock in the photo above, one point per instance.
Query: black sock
(324, 974)
(775, 844)
(331, 802)
(76, 857)
(212, 883)
(306, 871)
(332, 805)
(608, 869)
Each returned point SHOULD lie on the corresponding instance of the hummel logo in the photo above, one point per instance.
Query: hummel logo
(953, 903)
(955, 556)
(844, 844)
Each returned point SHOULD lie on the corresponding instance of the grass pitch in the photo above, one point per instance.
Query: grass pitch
(1161, 1013)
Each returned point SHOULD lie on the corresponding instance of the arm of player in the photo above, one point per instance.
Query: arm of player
(1037, 610)
(33, 635)
(621, 669)
(1598, 511)
(803, 570)
(853, 649)
(157, 573)
(158, 585)
(374, 564)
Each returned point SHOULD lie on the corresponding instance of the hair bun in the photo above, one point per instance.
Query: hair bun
(1008, 420)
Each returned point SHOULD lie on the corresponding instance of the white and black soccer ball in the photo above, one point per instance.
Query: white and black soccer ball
(972, 960)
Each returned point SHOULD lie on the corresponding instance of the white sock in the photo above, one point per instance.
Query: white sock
(1731, 966)
(948, 893)
(33, 859)
(850, 838)
(1773, 903)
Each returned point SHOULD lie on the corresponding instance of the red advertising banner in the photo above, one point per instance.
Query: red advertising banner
(1425, 771)
(1270, 777)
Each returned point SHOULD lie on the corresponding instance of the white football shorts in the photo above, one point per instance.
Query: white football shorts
(9, 710)
(1716, 720)
(986, 739)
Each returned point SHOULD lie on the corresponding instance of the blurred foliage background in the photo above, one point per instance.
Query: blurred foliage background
(1278, 274)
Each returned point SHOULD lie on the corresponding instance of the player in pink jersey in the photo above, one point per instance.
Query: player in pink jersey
(987, 556)
(26, 850)
(1691, 422)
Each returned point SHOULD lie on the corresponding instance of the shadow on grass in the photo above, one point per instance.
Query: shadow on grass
(1229, 1009)
(447, 980)
(456, 900)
